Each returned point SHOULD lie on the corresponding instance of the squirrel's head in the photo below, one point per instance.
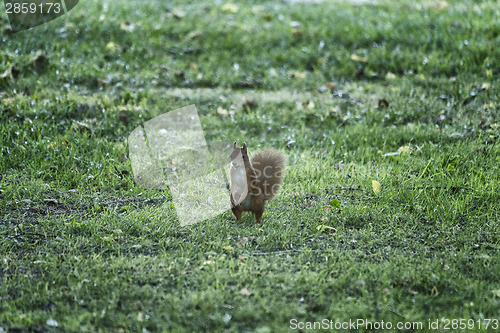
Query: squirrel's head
(239, 155)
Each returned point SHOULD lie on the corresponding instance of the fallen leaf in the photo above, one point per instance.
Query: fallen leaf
(404, 150)
(310, 104)
(390, 76)
(376, 186)
(331, 85)
(222, 111)
(245, 291)
(102, 82)
(401, 150)
(325, 228)
(51, 202)
(194, 34)
(439, 5)
(230, 7)
(82, 127)
(358, 58)
(127, 26)
(298, 75)
(111, 47)
(242, 242)
(179, 74)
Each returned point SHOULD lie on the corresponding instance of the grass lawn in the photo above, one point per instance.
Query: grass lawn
(403, 94)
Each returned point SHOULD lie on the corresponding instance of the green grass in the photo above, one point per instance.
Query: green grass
(82, 245)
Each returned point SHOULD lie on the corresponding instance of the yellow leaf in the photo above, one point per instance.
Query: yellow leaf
(404, 150)
(112, 47)
(358, 58)
(376, 186)
(390, 76)
(245, 291)
(221, 111)
(325, 228)
(230, 7)
(440, 5)
(298, 75)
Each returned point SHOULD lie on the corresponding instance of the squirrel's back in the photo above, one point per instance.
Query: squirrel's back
(269, 165)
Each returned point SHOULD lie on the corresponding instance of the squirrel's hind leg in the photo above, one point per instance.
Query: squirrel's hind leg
(258, 208)
(258, 217)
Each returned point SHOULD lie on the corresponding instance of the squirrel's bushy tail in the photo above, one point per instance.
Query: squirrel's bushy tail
(269, 165)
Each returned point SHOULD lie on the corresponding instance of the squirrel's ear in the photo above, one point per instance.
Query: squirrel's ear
(244, 146)
(234, 145)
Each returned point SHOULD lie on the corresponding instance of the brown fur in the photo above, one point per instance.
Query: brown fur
(264, 173)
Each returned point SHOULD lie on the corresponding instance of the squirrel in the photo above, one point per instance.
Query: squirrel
(255, 181)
